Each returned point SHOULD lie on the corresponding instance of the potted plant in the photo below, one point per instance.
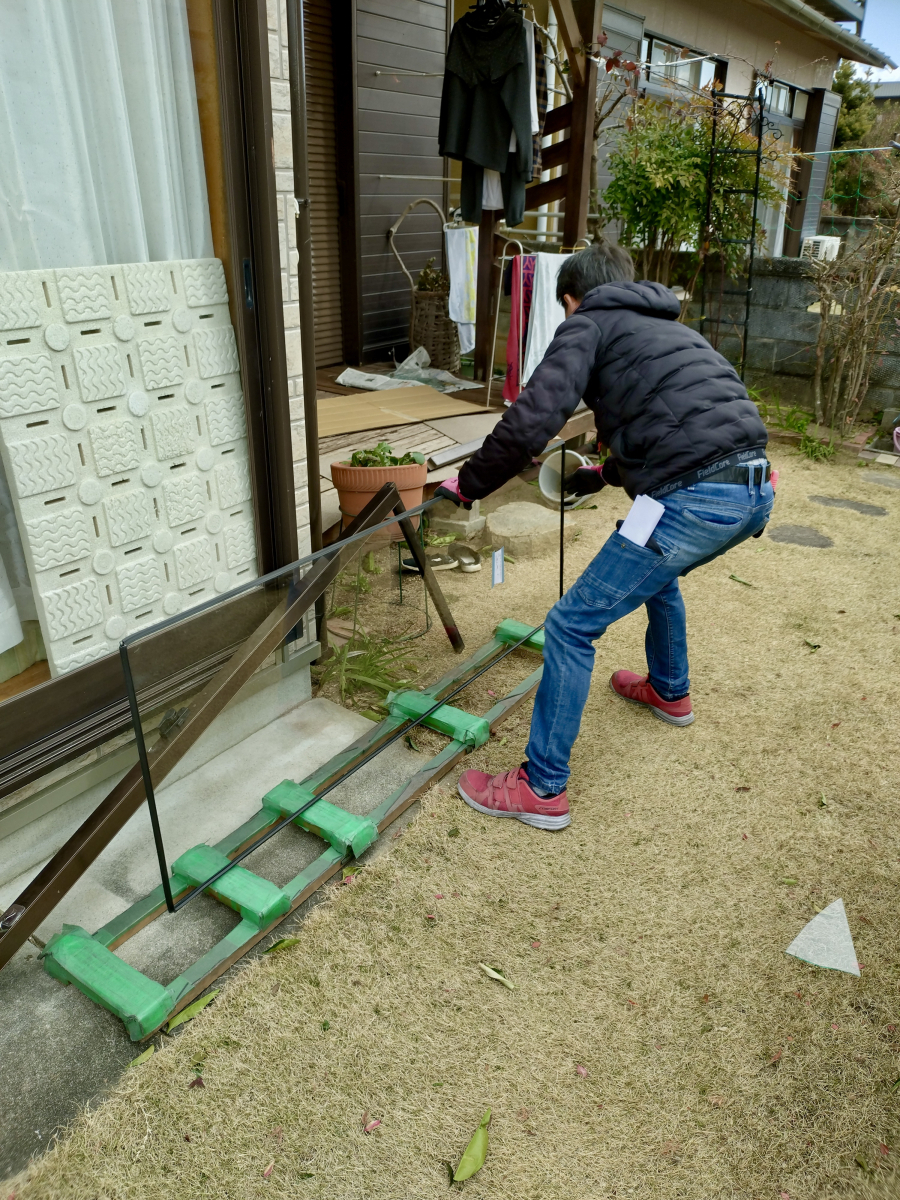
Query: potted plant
(358, 480)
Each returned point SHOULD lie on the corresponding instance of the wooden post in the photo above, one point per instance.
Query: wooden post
(484, 315)
(589, 17)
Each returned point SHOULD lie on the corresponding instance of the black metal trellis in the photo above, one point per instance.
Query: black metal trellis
(749, 110)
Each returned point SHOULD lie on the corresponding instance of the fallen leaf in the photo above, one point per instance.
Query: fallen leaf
(412, 745)
(454, 832)
(717, 1101)
(438, 895)
(523, 1114)
(398, 834)
(814, 646)
(430, 917)
(705, 999)
(783, 1196)
(743, 837)
(833, 1026)
(742, 788)
(281, 944)
(278, 1135)
(493, 973)
(369, 1126)
(306, 1175)
(789, 882)
(268, 1171)
(274, 989)
(835, 725)
(632, 1003)
(883, 1150)
(197, 1081)
(535, 945)
(148, 1053)
(198, 1059)
(188, 1014)
(776, 1056)
(490, 693)
(582, 1071)
(187, 1137)
(743, 581)
(475, 1153)
(895, 1084)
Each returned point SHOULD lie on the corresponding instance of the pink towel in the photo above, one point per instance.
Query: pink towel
(520, 299)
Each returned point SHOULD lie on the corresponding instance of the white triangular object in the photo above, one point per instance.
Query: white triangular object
(826, 941)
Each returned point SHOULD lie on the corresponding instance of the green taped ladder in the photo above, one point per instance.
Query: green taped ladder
(88, 961)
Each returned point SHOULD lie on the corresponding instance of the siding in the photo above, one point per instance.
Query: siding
(317, 26)
(398, 125)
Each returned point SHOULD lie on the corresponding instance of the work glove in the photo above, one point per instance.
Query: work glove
(585, 481)
(449, 490)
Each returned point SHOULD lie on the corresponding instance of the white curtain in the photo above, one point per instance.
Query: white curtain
(100, 155)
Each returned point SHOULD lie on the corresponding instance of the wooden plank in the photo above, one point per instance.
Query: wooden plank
(379, 94)
(556, 155)
(401, 145)
(408, 124)
(383, 55)
(572, 39)
(558, 119)
(405, 12)
(391, 31)
(546, 193)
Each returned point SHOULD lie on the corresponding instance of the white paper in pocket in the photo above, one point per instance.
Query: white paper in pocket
(642, 519)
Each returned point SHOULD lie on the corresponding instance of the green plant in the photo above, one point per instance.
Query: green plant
(366, 664)
(815, 450)
(383, 456)
(795, 419)
(858, 112)
(432, 280)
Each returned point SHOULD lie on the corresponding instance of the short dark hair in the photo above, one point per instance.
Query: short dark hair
(600, 263)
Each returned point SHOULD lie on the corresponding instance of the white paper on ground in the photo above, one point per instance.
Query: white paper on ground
(826, 941)
(642, 519)
(497, 567)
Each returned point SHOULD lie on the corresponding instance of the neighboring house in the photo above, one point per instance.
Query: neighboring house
(887, 93)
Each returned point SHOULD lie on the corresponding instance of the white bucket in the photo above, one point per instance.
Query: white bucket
(549, 482)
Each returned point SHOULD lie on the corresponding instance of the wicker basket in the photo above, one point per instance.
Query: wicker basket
(429, 317)
(430, 326)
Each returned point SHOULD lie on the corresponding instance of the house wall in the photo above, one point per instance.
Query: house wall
(287, 235)
(743, 34)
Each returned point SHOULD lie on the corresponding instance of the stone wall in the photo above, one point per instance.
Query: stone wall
(781, 345)
(287, 235)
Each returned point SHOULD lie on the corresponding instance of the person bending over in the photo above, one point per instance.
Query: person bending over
(681, 429)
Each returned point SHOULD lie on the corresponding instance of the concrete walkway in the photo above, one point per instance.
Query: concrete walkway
(60, 1051)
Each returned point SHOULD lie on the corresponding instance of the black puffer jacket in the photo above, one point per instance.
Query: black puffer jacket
(664, 400)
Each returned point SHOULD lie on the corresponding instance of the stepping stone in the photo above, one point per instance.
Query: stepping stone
(525, 530)
(867, 510)
(826, 941)
(799, 535)
(882, 478)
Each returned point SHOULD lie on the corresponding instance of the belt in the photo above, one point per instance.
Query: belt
(743, 466)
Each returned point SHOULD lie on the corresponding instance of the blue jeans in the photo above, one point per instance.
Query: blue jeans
(699, 524)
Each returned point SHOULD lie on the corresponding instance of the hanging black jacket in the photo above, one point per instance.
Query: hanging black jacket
(665, 401)
(486, 95)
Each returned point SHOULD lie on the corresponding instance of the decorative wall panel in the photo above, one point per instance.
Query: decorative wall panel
(123, 434)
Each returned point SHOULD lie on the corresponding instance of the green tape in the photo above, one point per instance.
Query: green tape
(344, 831)
(510, 631)
(454, 722)
(256, 899)
(73, 956)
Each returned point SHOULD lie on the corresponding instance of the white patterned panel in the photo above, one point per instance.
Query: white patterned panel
(240, 545)
(162, 362)
(175, 432)
(128, 517)
(186, 500)
(27, 385)
(226, 418)
(216, 352)
(84, 294)
(20, 307)
(41, 465)
(100, 372)
(233, 484)
(193, 562)
(131, 496)
(140, 584)
(115, 447)
(73, 609)
(59, 539)
(149, 288)
(204, 283)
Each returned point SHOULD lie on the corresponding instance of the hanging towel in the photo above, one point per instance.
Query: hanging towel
(522, 280)
(462, 255)
(546, 312)
(531, 38)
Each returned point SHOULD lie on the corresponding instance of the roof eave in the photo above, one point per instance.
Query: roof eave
(810, 20)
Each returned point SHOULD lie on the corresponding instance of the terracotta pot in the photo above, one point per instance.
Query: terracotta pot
(357, 485)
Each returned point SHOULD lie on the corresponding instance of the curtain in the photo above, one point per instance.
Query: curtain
(100, 152)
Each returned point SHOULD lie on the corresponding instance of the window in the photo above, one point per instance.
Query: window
(780, 98)
(666, 61)
(125, 491)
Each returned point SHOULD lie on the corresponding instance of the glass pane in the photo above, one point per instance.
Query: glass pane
(124, 473)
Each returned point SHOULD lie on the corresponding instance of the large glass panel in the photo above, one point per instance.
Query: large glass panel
(124, 487)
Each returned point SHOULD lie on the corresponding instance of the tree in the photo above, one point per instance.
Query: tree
(858, 110)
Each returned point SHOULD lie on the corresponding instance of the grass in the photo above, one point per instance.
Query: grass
(658, 1043)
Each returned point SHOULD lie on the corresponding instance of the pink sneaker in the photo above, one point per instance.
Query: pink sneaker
(509, 795)
(639, 690)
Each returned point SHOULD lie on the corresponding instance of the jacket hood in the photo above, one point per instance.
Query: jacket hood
(651, 299)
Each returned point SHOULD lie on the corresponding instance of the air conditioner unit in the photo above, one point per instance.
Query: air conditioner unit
(825, 249)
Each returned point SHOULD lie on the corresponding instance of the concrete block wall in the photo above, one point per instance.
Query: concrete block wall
(279, 74)
(781, 346)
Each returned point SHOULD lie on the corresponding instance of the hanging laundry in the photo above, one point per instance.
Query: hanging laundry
(547, 313)
(486, 109)
(541, 96)
(520, 312)
(462, 255)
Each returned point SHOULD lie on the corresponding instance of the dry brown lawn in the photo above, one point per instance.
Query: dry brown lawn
(646, 943)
